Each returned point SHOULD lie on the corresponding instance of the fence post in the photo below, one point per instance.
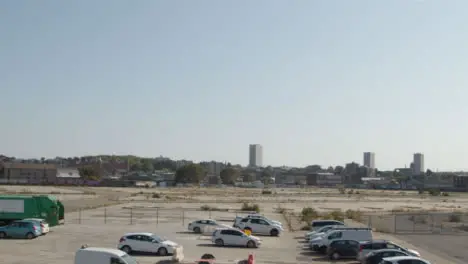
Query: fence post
(210, 214)
(157, 215)
(131, 215)
(79, 216)
(105, 215)
(183, 217)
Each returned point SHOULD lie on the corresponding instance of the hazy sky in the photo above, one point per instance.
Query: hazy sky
(314, 82)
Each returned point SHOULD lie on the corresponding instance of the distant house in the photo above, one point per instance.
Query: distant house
(68, 177)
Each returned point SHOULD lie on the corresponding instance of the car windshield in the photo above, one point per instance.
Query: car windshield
(129, 260)
(158, 239)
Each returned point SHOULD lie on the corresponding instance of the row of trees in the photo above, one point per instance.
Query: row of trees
(195, 173)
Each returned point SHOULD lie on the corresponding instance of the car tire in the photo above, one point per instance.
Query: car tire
(30, 235)
(162, 251)
(3, 235)
(219, 242)
(197, 230)
(322, 250)
(274, 232)
(126, 249)
(335, 256)
(251, 244)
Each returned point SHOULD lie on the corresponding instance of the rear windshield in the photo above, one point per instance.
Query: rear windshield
(128, 259)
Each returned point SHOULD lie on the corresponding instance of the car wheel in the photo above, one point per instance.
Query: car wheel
(323, 250)
(126, 249)
(335, 256)
(2, 235)
(197, 230)
(219, 242)
(29, 235)
(162, 251)
(251, 244)
(274, 232)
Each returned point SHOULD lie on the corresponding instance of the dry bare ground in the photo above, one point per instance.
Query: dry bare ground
(287, 203)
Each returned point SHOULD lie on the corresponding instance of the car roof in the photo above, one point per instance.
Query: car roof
(140, 234)
(107, 250)
(321, 221)
(401, 258)
(388, 249)
(374, 241)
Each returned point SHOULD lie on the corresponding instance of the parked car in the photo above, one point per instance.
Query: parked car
(261, 226)
(339, 249)
(320, 244)
(238, 219)
(199, 225)
(88, 255)
(322, 230)
(146, 242)
(369, 246)
(21, 229)
(234, 237)
(316, 224)
(376, 256)
(404, 260)
(42, 223)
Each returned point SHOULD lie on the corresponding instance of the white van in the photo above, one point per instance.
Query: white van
(95, 255)
(357, 234)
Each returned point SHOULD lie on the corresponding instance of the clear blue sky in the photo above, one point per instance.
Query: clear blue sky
(314, 82)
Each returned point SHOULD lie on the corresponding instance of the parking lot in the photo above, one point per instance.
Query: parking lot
(103, 227)
(60, 245)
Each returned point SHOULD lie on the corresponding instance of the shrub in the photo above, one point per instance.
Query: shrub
(335, 215)
(308, 214)
(351, 191)
(156, 195)
(266, 191)
(342, 190)
(434, 192)
(205, 208)
(305, 228)
(250, 207)
(353, 214)
(455, 218)
(445, 194)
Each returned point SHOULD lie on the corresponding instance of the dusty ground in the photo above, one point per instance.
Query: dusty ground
(169, 214)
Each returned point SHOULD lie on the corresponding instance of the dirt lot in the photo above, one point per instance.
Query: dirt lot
(168, 211)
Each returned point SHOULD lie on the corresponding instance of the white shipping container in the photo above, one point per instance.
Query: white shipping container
(11, 206)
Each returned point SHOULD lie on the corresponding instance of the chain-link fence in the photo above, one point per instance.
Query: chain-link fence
(418, 222)
(148, 215)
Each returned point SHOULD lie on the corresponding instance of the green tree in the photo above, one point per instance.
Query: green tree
(229, 175)
(192, 173)
(147, 165)
(88, 173)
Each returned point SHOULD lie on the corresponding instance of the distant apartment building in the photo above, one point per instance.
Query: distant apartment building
(214, 167)
(324, 179)
(369, 160)
(255, 155)
(24, 173)
(418, 164)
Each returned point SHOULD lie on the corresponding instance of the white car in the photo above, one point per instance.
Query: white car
(200, 225)
(43, 223)
(234, 237)
(260, 226)
(146, 242)
(238, 219)
(319, 232)
(404, 260)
